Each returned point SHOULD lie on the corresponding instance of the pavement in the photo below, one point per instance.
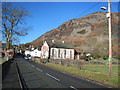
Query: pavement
(9, 75)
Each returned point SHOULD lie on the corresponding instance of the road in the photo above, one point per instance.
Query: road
(39, 76)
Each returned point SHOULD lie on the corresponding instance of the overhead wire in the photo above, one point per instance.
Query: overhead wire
(93, 6)
(114, 7)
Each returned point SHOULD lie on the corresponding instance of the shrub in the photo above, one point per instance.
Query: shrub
(118, 58)
(96, 56)
(85, 57)
(104, 57)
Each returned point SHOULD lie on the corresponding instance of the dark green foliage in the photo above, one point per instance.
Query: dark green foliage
(118, 58)
(96, 56)
(104, 57)
(85, 57)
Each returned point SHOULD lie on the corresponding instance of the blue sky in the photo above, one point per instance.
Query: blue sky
(49, 15)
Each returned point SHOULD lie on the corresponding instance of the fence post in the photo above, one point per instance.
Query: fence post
(88, 65)
(105, 67)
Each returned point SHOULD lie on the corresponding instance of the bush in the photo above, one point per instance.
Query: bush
(86, 58)
(118, 58)
(96, 56)
(104, 57)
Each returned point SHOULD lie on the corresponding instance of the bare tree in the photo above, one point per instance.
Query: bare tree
(13, 20)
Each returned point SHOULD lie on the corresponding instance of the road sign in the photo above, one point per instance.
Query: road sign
(8, 51)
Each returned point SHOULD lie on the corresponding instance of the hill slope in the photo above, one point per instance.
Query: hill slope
(89, 33)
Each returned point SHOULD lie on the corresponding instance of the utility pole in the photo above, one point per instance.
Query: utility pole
(110, 40)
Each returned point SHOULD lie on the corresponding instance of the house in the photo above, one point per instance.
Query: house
(57, 50)
(34, 52)
(77, 54)
(27, 51)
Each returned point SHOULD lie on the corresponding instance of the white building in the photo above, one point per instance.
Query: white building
(34, 52)
(28, 51)
(57, 50)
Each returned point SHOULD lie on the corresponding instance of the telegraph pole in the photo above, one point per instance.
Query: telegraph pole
(110, 39)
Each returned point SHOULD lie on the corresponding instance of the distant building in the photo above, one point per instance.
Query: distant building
(34, 52)
(57, 50)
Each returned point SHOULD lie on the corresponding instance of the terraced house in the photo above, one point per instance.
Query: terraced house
(57, 50)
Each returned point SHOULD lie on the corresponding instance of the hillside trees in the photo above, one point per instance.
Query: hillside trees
(13, 21)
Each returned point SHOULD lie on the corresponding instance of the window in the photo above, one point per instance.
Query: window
(64, 53)
(70, 54)
(35, 53)
(52, 52)
(59, 53)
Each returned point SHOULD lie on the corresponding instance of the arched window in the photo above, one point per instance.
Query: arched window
(70, 54)
(64, 53)
(59, 53)
(52, 52)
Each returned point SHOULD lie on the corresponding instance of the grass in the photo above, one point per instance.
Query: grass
(101, 68)
(2, 60)
(98, 76)
(104, 61)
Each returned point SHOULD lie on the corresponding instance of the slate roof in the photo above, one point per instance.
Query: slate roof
(60, 44)
(39, 48)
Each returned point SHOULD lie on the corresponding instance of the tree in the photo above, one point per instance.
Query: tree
(13, 20)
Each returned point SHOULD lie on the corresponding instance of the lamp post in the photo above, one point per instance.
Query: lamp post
(110, 40)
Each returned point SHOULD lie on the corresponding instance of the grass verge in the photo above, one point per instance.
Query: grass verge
(94, 76)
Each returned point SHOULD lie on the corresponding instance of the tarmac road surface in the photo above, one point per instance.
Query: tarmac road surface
(39, 76)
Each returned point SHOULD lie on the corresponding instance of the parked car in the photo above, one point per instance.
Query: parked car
(28, 57)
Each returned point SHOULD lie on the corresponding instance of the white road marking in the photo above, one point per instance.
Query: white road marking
(52, 77)
(32, 66)
(39, 69)
(73, 87)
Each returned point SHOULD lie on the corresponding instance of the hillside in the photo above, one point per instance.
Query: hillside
(89, 33)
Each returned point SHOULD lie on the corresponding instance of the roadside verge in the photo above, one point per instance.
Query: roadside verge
(88, 75)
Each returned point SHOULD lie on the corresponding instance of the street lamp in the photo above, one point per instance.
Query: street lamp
(104, 8)
(110, 40)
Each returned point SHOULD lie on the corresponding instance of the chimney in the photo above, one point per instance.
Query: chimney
(63, 42)
(53, 41)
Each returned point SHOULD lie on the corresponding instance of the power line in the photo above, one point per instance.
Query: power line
(88, 9)
(114, 7)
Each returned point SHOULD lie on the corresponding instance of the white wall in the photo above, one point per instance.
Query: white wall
(62, 53)
(45, 50)
(36, 53)
(27, 52)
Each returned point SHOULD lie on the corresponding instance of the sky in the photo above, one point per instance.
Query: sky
(46, 16)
